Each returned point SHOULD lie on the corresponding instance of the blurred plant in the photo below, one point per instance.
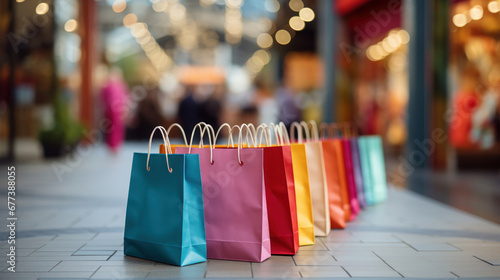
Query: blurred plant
(66, 132)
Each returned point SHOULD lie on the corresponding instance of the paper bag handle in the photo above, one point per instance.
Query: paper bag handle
(202, 133)
(166, 142)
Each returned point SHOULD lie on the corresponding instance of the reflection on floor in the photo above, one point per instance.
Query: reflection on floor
(71, 226)
(476, 192)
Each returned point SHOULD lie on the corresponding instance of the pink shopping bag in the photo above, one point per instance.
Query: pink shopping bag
(234, 195)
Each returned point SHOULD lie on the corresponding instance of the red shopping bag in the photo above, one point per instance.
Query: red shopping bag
(280, 197)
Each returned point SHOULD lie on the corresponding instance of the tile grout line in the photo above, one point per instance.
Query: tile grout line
(346, 271)
(483, 260)
(454, 274)
(111, 256)
(95, 272)
(388, 264)
(50, 270)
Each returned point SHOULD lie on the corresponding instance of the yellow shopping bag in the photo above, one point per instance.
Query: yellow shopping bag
(317, 179)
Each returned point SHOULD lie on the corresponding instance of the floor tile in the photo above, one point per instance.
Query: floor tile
(276, 261)
(285, 274)
(314, 260)
(93, 253)
(433, 247)
(228, 273)
(371, 271)
(220, 265)
(119, 274)
(177, 274)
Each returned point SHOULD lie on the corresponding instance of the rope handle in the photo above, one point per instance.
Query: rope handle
(166, 142)
(284, 131)
(253, 132)
(335, 128)
(248, 131)
(182, 131)
(229, 137)
(299, 132)
(277, 133)
(306, 130)
(264, 130)
(202, 132)
(324, 130)
(314, 130)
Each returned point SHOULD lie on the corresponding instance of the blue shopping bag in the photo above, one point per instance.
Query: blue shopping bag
(373, 168)
(165, 216)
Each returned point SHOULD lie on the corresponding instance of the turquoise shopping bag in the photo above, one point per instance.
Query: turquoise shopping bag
(165, 216)
(373, 169)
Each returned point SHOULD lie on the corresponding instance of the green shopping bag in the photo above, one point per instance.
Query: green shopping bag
(165, 216)
(371, 154)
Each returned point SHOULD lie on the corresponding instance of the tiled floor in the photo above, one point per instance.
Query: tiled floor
(71, 226)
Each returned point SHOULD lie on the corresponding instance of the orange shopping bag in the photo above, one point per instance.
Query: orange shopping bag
(333, 181)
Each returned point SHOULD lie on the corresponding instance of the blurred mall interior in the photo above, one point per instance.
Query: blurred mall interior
(425, 75)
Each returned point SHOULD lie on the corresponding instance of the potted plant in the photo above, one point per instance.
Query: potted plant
(64, 135)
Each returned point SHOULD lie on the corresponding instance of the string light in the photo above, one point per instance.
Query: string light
(264, 40)
(283, 37)
(42, 8)
(476, 12)
(129, 20)
(392, 42)
(160, 6)
(119, 6)
(307, 14)
(296, 5)
(296, 23)
(233, 23)
(70, 25)
(272, 6)
(459, 20)
(494, 7)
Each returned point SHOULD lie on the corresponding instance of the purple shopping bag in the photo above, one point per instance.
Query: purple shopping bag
(236, 220)
(356, 168)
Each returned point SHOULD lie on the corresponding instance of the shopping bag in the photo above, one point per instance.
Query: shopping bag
(280, 195)
(334, 186)
(349, 175)
(358, 175)
(317, 179)
(165, 217)
(373, 169)
(236, 220)
(302, 191)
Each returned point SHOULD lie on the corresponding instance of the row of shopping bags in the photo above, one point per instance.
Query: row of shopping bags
(268, 194)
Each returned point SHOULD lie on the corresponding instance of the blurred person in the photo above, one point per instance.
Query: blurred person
(483, 130)
(114, 95)
(147, 116)
(265, 103)
(288, 111)
(210, 106)
(189, 108)
(464, 103)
